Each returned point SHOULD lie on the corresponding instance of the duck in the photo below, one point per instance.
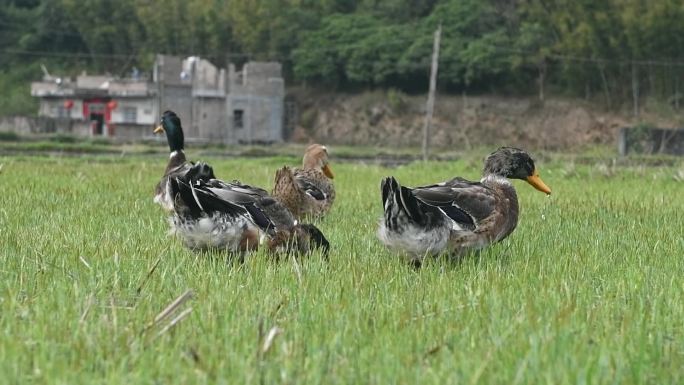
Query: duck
(236, 217)
(178, 165)
(307, 191)
(457, 215)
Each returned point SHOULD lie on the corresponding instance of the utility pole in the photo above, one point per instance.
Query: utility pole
(431, 95)
(635, 91)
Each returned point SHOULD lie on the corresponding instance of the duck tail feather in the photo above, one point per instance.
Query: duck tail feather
(399, 201)
(387, 185)
(410, 205)
(199, 171)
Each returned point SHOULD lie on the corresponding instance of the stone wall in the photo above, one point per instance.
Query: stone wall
(21, 125)
(258, 91)
(211, 119)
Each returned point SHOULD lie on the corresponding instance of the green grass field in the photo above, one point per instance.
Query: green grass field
(587, 290)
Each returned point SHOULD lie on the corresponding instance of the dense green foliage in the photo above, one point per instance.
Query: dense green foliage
(586, 290)
(524, 46)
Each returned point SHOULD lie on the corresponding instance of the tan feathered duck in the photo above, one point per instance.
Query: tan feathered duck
(307, 191)
(457, 215)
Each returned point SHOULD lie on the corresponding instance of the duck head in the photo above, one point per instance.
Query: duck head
(314, 238)
(514, 163)
(299, 239)
(316, 156)
(170, 124)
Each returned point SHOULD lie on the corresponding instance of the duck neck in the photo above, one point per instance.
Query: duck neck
(494, 180)
(508, 199)
(310, 163)
(177, 154)
(501, 185)
(176, 158)
(175, 138)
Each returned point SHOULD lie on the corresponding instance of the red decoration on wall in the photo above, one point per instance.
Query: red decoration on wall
(112, 104)
(94, 101)
(68, 104)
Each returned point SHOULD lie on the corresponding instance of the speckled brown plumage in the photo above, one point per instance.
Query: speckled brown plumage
(307, 191)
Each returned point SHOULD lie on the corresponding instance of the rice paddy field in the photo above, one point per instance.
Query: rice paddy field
(587, 290)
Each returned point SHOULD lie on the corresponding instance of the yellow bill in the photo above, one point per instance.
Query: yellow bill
(159, 129)
(537, 183)
(328, 172)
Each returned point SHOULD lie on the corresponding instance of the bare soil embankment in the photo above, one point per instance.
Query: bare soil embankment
(390, 118)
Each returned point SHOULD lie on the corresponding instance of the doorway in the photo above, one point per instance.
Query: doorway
(97, 123)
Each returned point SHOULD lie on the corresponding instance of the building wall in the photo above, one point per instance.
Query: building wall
(44, 125)
(204, 75)
(167, 70)
(146, 111)
(178, 99)
(211, 119)
(54, 108)
(262, 119)
(204, 97)
(132, 131)
(78, 128)
(259, 91)
(23, 125)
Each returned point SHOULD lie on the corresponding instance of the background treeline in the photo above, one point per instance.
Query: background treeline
(610, 50)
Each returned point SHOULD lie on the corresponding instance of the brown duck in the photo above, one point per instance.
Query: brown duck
(307, 191)
(457, 215)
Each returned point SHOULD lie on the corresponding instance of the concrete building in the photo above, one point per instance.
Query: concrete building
(244, 106)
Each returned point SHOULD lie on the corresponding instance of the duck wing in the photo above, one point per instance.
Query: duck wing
(464, 202)
(310, 184)
(311, 189)
(198, 198)
(235, 191)
(188, 171)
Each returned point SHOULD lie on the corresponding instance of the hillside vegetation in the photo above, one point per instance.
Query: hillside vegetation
(614, 49)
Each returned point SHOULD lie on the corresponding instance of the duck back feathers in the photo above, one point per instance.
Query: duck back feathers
(408, 224)
(236, 217)
(188, 171)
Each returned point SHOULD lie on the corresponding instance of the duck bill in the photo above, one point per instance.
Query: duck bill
(537, 183)
(159, 129)
(328, 172)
